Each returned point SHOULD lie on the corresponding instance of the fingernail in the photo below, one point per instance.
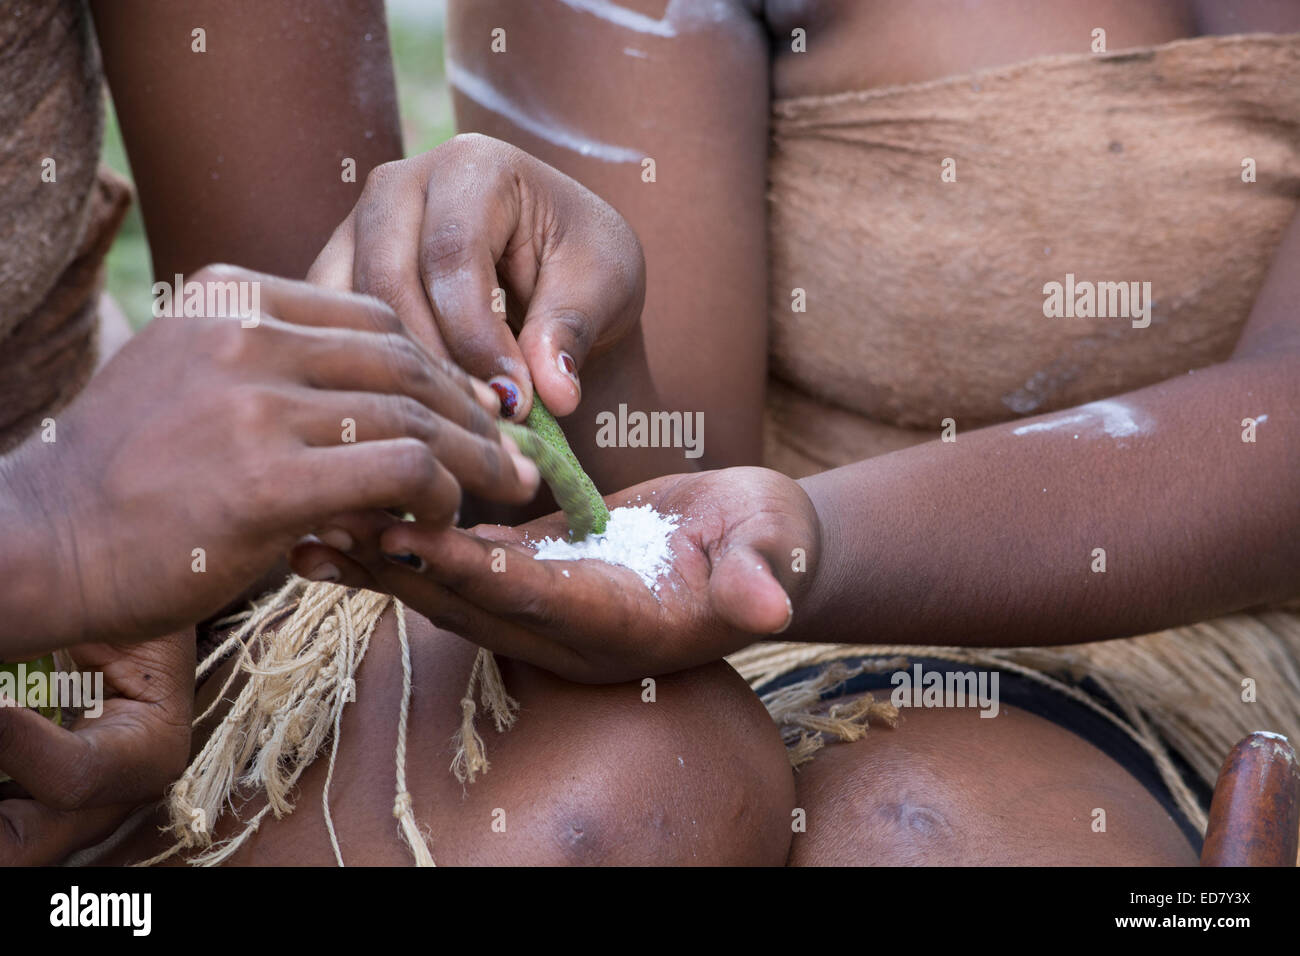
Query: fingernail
(525, 468)
(324, 572)
(412, 561)
(336, 538)
(570, 368)
(789, 617)
(487, 396)
(507, 393)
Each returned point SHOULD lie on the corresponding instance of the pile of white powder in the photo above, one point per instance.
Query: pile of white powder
(635, 538)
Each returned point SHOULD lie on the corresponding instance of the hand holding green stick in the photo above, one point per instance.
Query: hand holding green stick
(542, 440)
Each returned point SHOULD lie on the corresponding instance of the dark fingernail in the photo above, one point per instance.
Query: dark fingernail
(412, 561)
(507, 393)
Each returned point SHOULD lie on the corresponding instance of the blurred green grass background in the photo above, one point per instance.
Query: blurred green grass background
(415, 32)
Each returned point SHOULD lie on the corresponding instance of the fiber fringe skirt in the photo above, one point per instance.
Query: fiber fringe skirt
(1184, 695)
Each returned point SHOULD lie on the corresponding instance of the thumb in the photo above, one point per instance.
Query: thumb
(746, 594)
(50, 763)
(577, 307)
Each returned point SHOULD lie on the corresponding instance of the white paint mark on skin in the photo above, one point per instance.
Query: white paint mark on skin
(543, 127)
(1260, 419)
(623, 17)
(633, 51)
(679, 16)
(1049, 425)
(1117, 420)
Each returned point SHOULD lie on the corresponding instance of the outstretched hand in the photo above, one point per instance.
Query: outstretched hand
(743, 555)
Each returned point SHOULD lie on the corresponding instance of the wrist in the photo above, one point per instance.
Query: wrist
(814, 603)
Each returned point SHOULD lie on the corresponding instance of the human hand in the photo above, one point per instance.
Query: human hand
(434, 236)
(72, 785)
(205, 449)
(744, 554)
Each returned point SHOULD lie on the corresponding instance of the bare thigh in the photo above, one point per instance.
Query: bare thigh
(948, 787)
(587, 775)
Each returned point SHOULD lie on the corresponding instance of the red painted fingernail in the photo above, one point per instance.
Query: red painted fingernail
(570, 368)
(507, 393)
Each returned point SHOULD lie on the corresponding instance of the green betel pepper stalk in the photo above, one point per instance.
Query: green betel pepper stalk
(541, 439)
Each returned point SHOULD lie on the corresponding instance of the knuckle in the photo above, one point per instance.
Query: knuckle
(383, 278)
(408, 361)
(232, 345)
(218, 272)
(413, 465)
(413, 420)
(446, 249)
(249, 409)
(578, 326)
(383, 176)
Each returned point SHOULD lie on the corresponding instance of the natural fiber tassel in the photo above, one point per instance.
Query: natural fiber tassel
(471, 756)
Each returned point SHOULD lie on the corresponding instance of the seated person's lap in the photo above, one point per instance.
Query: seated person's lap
(588, 774)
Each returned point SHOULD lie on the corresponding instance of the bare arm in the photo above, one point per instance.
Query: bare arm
(238, 151)
(990, 540)
(692, 96)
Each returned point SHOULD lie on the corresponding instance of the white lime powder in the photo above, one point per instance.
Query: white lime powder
(635, 538)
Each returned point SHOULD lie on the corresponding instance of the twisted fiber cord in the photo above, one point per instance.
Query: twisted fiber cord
(300, 677)
(303, 676)
(804, 749)
(350, 660)
(1179, 690)
(402, 804)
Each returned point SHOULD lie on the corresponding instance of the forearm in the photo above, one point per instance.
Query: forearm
(995, 538)
(239, 151)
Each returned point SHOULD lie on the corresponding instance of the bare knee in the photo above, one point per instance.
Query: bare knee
(689, 769)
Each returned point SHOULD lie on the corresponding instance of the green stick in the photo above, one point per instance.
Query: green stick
(541, 439)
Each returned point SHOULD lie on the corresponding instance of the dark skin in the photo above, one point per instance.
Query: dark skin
(285, 91)
(251, 132)
(712, 374)
(916, 533)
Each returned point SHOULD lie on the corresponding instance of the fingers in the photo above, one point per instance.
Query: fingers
(746, 595)
(467, 227)
(399, 473)
(504, 579)
(68, 770)
(333, 266)
(490, 465)
(298, 303)
(442, 607)
(387, 227)
(46, 760)
(32, 834)
(394, 364)
(586, 296)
